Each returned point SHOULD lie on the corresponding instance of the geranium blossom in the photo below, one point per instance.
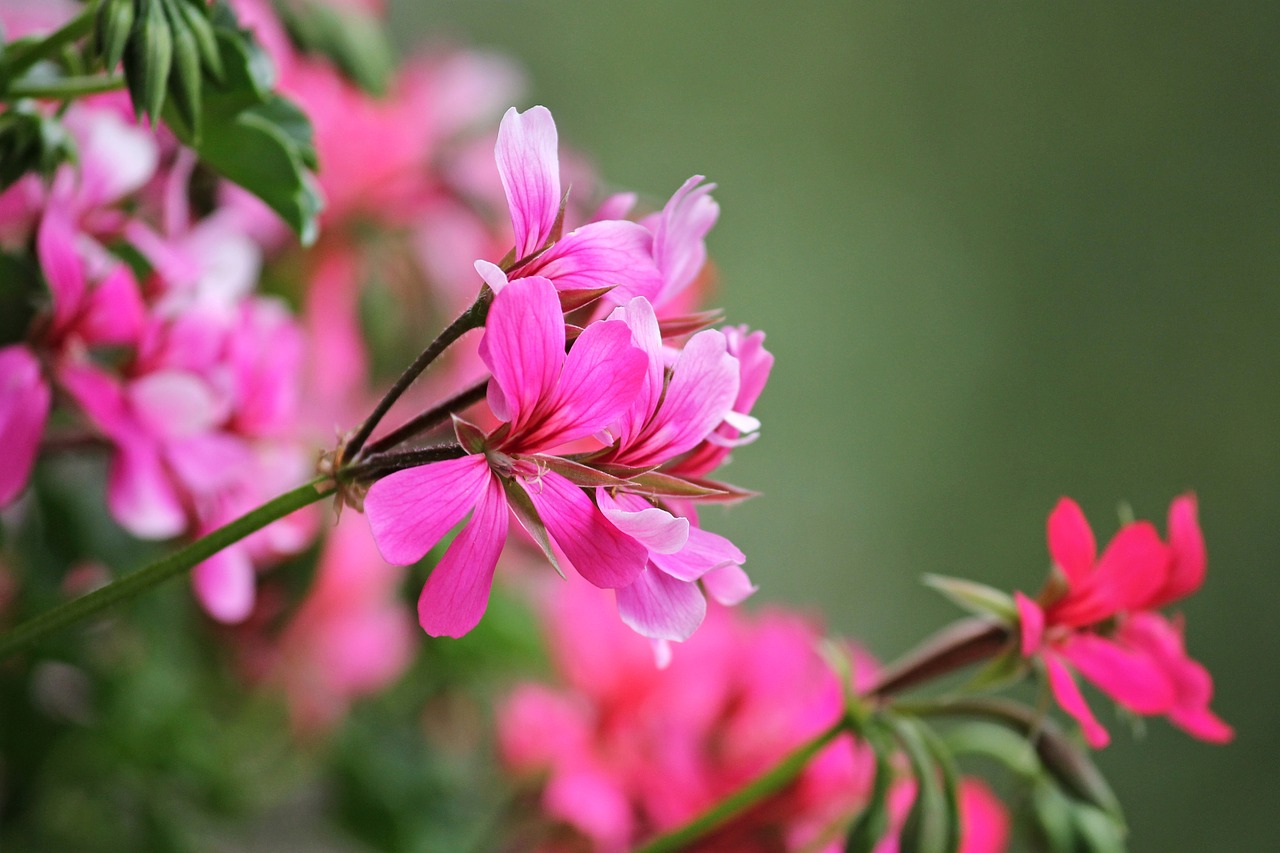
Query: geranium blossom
(545, 399)
(1103, 624)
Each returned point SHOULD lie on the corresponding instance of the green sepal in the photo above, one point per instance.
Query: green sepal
(196, 17)
(996, 742)
(931, 825)
(112, 25)
(873, 821)
(522, 505)
(977, 598)
(579, 474)
(185, 77)
(470, 436)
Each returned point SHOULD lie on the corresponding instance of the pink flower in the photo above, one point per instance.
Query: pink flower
(679, 238)
(602, 254)
(24, 407)
(545, 399)
(628, 750)
(1103, 624)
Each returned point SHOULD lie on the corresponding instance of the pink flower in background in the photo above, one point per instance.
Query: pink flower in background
(679, 241)
(626, 751)
(545, 399)
(24, 407)
(1104, 625)
(351, 636)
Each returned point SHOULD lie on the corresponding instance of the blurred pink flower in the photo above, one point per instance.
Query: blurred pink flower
(1098, 617)
(24, 407)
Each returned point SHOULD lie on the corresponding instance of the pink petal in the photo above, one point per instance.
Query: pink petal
(115, 313)
(1030, 622)
(411, 510)
(612, 253)
(984, 821)
(523, 346)
(592, 801)
(457, 591)
(728, 585)
(657, 529)
(539, 727)
(529, 166)
(62, 267)
(141, 495)
(703, 387)
(1067, 692)
(1152, 634)
(492, 275)
(24, 407)
(1071, 543)
(645, 334)
(660, 607)
(679, 246)
(601, 377)
(1134, 566)
(599, 552)
(704, 552)
(225, 583)
(174, 404)
(1130, 678)
(1186, 543)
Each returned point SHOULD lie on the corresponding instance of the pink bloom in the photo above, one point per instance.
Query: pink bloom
(628, 750)
(608, 253)
(545, 399)
(351, 636)
(24, 407)
(1104, 625)
(679, 238)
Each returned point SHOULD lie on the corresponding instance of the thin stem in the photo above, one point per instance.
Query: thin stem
(472, 318)
(24, 57)
(745, 797)
(65, 88)
(135, 583)
(379, 465)
(430, 418)
(954, 647)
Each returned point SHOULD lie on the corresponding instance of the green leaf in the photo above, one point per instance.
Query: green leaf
(1097, 831)
(1051, 814)
(522, 505)
(977, 598)
(873, 821)
(931, 825)
(997, 742)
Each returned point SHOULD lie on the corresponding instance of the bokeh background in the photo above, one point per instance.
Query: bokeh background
(1003, 252)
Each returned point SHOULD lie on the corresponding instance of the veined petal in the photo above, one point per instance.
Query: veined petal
(704, 552)
(660, 607)
(703, 387)
(457, 591)
(728, 585)
(612, 253)
(492, 275)
(657, 529)
(1131, 678)
(225, 585)
(1069, 697)
(599, 552)
(523, 346)
(529, 165)
(24, 407)
(679, 246)
(1071, 543)
(645, 334)
(409, 511)
(601, 376)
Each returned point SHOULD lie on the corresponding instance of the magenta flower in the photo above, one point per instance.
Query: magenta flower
(24, 407)
(546, 399)
(604, 254)
(1104, 626)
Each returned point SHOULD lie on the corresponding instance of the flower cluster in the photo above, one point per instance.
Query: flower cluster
(1098, 616)
(604, 431)
(624, 751)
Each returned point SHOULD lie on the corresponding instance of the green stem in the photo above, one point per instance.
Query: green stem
(430, 418)
(472, 318)
(782, 774)
(64, 88)
(81, 25)
(954, 647)
(135, 583)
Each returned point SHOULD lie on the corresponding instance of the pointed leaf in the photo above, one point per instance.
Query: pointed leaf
(997, 742)
(571, 300)
(675, 327)
(469, 435)
(522, 505)
(977, 598)
(931, 825)
(579, 474)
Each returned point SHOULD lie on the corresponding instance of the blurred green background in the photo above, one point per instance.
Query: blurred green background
(1003, 252)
